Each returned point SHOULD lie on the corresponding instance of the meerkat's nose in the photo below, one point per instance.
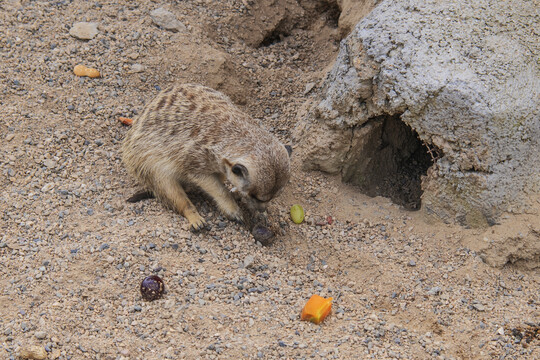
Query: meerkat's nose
(256, 204)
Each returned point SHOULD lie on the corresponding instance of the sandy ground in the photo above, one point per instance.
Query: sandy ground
(73, 252)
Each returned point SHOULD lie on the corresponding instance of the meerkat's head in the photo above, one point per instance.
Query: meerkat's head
(260, 176)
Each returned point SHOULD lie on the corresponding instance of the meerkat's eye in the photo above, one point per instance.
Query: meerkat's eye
(239, 170)
(257, 199)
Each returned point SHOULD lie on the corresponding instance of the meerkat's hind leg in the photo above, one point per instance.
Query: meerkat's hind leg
(214, 187)
(172, 192)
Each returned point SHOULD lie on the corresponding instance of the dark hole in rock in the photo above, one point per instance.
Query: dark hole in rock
(330, 12)
(388, 159)
(326, 10)
(274, 37)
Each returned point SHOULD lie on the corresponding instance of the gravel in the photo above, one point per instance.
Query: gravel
(73, 252)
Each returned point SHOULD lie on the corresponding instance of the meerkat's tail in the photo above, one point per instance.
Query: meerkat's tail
(141, 195)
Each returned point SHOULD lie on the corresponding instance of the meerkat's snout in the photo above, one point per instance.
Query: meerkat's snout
(255, 204)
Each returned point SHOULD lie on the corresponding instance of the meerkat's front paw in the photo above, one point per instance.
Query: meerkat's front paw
(196, 221)
(230, 209)
(237, 217)
(234, 214)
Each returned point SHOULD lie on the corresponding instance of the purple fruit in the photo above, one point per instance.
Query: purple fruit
(152, 288)
(262, 234)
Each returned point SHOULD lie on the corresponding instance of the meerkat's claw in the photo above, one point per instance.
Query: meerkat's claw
(198, 226)
(235, 216)
(239, 219)
(196, 222)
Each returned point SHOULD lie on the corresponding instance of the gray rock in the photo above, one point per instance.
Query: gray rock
(84, 30)
(309, 87)
(248, 261)
(479, 307)
(41, 335)
(167, 20)
(467, 82)
(49, 163)
(137, 68)
(47, 187)
(434, 290)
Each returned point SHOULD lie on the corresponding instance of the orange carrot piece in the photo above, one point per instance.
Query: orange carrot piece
(316, 309)
(125, 120)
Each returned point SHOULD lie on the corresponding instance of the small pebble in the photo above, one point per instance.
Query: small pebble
(434, 290)
(40, 335)
(137, 68)
(479, 307)
(167, 20)
(309, 87)
(248, 261)
(84, 30)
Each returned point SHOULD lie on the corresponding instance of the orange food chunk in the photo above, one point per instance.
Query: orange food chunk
(81, 70)
(316, 309)
(125, 120)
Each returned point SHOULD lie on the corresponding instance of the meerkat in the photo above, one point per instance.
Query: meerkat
(194, 135)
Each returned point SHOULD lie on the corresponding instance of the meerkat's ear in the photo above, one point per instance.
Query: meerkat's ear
(239, 170)
(289, 149)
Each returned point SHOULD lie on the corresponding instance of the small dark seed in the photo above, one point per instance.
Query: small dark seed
(263, 235)
(152, 288)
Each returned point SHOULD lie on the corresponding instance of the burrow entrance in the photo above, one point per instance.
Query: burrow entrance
(388, 159)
